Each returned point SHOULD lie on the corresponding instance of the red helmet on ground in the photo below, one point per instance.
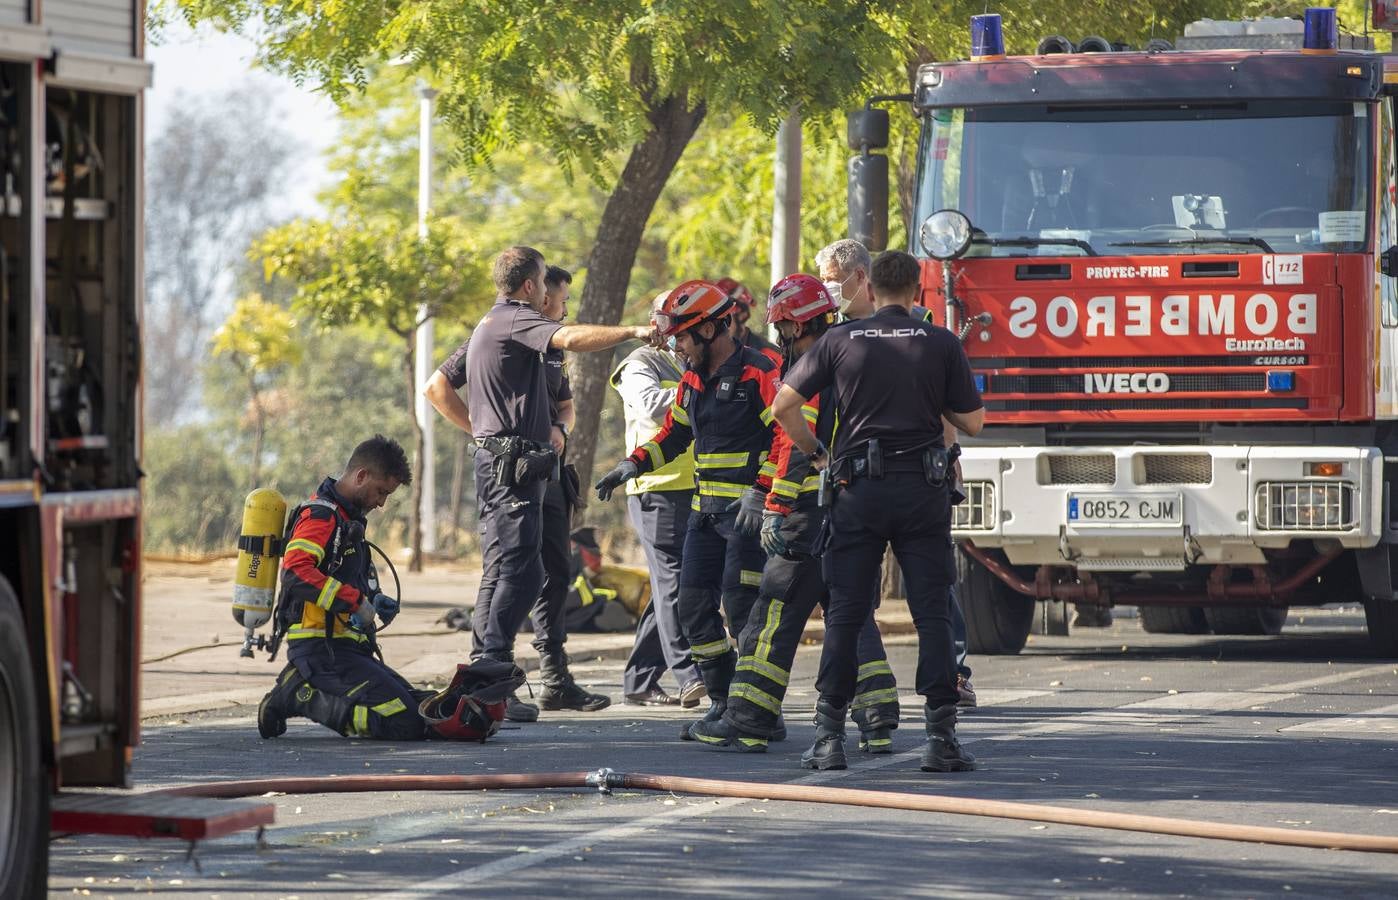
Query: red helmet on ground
(691, 304)
(473, 705)
(799, 298)
(736, 290)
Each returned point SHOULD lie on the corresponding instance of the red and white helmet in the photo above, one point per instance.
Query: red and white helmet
(691, 304)
(736, 290)
(800, 298)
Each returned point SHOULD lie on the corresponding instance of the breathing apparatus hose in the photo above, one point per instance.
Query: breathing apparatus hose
(605, 780)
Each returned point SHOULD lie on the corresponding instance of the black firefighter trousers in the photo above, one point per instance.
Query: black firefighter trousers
(903, 510)
(359, 696)
(791, 588)
(719, 573)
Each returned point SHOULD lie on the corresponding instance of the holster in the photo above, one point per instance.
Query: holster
(534, 466)
(936, 463)
(506, 452)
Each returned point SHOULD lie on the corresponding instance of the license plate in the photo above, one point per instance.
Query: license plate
(1125, 509)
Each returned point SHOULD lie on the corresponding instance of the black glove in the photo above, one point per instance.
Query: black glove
(386, 606)
(773, 542)
(624, 471)
(749, 507)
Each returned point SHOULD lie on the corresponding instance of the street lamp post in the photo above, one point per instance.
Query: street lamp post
(428, 513)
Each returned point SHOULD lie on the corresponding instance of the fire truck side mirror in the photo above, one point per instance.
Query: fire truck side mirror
(866, 129)
(868, 200)
(1388, 262)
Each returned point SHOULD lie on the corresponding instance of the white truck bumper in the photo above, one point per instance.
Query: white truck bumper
(1135, 509)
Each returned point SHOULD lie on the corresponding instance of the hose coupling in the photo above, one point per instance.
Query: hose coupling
(604, 780)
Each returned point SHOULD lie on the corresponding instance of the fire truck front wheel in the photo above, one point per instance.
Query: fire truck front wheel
(998, 618)
(1382, 618)
(24, 787)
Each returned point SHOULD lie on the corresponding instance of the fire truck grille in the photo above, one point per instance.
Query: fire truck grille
(978, 512)
(1101, 404)
(1234, 382)
(1177, 468)
(1078, 468)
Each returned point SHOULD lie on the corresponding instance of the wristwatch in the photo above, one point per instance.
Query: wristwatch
(563, 428)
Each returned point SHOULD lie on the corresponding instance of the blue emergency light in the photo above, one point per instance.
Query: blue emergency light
(1281, 381)
(980, 384)
(987, 41)
(1322, 32)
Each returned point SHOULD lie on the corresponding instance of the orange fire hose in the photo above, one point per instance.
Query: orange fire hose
(606, 779)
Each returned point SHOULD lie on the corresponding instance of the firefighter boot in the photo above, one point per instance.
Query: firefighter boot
(330, 710)
(944, 752)
(828, 751)
(720, 735)
(560, 691)
(717, 673)
(876, 724)
(274, 709)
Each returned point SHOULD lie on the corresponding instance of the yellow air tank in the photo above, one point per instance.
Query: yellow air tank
(259, 546)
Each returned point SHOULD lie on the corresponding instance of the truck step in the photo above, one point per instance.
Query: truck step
(154, 815)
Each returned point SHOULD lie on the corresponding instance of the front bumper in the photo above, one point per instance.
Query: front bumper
(1234, 503)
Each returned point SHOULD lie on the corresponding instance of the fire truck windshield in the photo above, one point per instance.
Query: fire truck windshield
(1257, 177)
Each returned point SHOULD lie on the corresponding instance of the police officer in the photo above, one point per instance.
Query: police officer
(559, 690)
(329, 601)
(508, 410)
(844, 266)
(802, 310)
(722, 407)
(657, 504)
(894, 380)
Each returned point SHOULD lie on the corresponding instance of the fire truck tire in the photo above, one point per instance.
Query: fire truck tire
(1382, 618)
(1174, 620)
(24, 792)
(1245, 619)
(998, 618)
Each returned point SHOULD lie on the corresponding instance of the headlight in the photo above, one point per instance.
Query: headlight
(945, 234)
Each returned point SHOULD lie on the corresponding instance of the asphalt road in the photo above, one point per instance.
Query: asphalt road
(1299, 731)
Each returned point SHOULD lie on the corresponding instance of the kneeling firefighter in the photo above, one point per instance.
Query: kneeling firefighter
(329, 601)
(802, 310)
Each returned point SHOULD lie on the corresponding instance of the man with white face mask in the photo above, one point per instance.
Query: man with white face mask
(844, 268)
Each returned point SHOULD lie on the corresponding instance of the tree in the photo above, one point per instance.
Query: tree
(259, 339)
(213, 173)
(378, 273)
(586, 81)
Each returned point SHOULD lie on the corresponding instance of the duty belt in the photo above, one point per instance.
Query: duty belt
(502, 446)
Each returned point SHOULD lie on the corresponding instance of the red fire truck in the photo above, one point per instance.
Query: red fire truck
(1174, 270)
(71, 82)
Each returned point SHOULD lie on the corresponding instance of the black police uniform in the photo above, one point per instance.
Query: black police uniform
(547, 612)
(892, 377)
(508, 398)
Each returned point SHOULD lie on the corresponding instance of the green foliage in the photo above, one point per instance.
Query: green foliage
(257, 337)
(374, 271)
(194, 490)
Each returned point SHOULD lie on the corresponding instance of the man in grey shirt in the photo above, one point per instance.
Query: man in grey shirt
(507, 411)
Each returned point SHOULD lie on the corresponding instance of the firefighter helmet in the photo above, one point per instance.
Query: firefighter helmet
(799, 298)
(690, 305)
(736, 290)
(473, 705)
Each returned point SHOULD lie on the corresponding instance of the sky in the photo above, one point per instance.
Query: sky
(209, 63)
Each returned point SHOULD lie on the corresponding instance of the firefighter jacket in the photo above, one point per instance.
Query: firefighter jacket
(795, 482)
(326, 567)
(647, 380)
(728, 419)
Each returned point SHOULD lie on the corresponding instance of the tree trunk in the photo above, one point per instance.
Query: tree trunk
(419, 450)
(458, 484)
(613, 253)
